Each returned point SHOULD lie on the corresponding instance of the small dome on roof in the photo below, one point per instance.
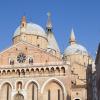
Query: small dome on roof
(31, 28)
(75, 49)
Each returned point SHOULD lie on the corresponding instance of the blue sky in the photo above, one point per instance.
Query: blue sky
(82, 15)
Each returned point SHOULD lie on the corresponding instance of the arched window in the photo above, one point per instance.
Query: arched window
(62, 71)
(48, 94)
(19, 86)
(42, 70)
(47, 71)
(52, 71)
(32, 91)
(58, 94)
(30, 60)
(23, 72)
(18, 72)
(11, 62)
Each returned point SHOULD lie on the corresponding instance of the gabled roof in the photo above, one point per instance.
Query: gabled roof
(28, 44)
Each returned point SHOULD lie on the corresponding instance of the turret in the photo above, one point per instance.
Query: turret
(23, 24)
(52, 43)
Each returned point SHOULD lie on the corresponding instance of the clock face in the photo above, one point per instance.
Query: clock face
(21, 58)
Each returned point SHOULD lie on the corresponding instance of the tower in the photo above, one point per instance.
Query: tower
(79, 59)
(52, 47)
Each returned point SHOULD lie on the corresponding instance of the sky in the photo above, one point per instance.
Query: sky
(81, 15)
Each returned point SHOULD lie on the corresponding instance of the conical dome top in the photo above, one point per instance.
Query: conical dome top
(72, 39)
(52, 43)
(74, 48)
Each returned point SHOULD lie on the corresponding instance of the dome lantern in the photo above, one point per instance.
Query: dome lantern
(49, 23)
(23, 25)
(23, 22)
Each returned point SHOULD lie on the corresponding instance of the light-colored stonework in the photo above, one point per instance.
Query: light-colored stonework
(34, 69)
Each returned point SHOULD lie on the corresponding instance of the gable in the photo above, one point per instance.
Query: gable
(30, 51)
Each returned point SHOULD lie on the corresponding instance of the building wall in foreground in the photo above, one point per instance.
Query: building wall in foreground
(37, 83)
(49, 82)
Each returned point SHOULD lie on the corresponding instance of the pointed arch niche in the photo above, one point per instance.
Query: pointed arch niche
(32, 91)
(5, 92)
(53, 90)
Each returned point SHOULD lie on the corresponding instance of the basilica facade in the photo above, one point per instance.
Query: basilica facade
(33, 68)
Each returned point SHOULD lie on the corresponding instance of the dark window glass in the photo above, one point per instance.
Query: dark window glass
(48, 94)
(58, 94)
(32, 92)
(7, 92)
(11, 62)
(30, 60)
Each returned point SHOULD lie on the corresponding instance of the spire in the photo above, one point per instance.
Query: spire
(23, 24)
(49, 23)
(72, 37)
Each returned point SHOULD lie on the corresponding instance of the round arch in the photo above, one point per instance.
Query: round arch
(17, 82)
(30, 81)
(56, 80)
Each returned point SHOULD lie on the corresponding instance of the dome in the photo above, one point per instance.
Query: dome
(75, 49)
(32, 28)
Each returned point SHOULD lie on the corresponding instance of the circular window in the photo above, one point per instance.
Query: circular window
(21, 58)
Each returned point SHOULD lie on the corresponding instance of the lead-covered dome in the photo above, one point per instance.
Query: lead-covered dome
(31, 28)
(30, 33)
(75, 49)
